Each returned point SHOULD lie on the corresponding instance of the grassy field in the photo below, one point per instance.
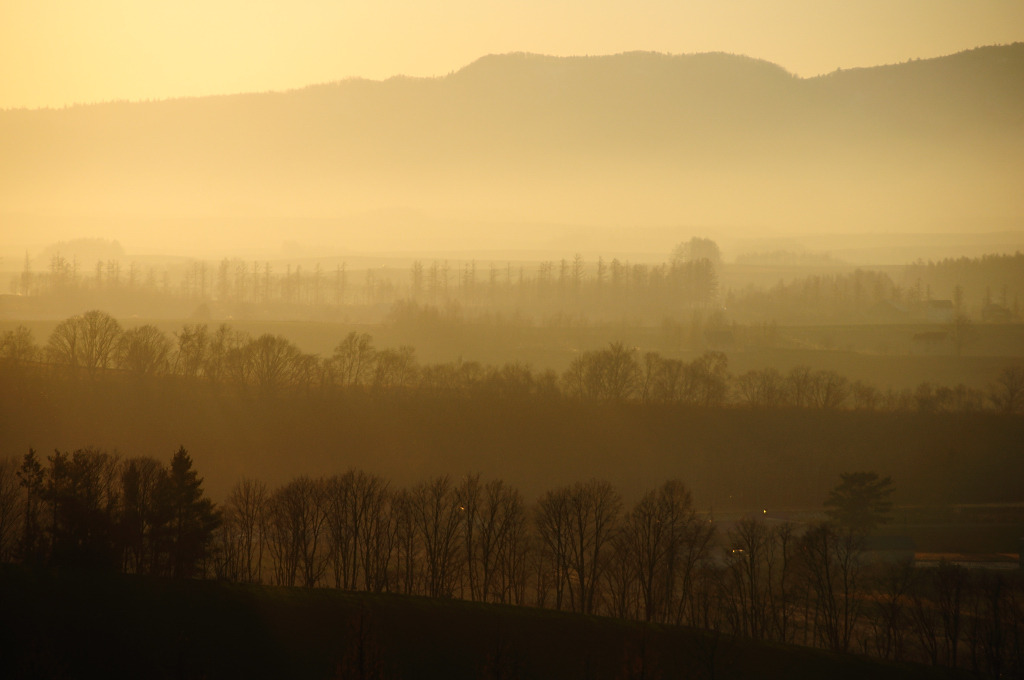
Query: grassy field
(78, 625)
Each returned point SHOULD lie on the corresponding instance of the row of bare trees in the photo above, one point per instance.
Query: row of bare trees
(472, 539)
(88, 345)
(689, 280)
(601, 289)
(577, 547)
(353, 531)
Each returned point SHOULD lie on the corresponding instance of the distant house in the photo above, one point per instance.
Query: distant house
(939, 311)
(929, 342)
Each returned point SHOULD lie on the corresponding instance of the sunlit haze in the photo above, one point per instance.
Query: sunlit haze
(468, 339)
(60, 52)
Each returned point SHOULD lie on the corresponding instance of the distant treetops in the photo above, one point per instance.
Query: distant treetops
(94, 346)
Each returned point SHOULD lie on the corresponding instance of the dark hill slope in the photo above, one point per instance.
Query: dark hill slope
(73, 625)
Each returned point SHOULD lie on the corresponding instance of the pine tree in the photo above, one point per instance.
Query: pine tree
(193, 518)
(860, 502)
(31, 476)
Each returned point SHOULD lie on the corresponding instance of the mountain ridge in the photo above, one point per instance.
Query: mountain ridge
(637, 138)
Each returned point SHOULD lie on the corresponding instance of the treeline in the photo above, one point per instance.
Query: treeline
(692, 281)
(93, 510)
(989, 279)
(93, 345)
(973, 285)
(578, 547)
(603, 289)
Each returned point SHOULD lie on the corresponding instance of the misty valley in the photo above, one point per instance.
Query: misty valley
(647, 482)
(427, 378)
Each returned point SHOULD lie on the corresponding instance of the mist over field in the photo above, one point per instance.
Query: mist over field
(625, 153)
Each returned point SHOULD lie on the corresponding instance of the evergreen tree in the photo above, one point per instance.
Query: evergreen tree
(860, 502)
(193, 518)
(31, 476)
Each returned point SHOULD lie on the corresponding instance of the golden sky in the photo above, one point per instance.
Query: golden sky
(59, 52)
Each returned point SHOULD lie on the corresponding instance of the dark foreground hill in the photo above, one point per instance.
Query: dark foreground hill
(75, 625)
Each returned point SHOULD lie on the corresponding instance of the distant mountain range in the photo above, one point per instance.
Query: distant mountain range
(713, 141)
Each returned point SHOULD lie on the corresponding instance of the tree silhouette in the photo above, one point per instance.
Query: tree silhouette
(860, 502)
(31, 477)
(87, 341)
(193, 518)
(144, 351)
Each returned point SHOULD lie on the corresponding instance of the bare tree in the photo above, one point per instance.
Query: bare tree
(469, 492)
(436, 512)
(17, 348)
(355, 499)
(834, 567)
(760, 578)
(353, 358)
(617, 372)
(865, 397)
(191, 351)
(407, 543)
(274, 361)
(552, 520)
(378, 537)
(503, 543)
(621, 588)
(593, 509)
(297, 532)
(670, 382)
(612, 374)
(952, 586)
(247, 512)
(84, 342)
(230, 357)
(827, 390)
(492, 527)
(708, 379)
(891, 585)
(799, 380)
(1008, 393)
(144, 351)
(763, 388)
(654, 535)
(100, 334)
(395, 369)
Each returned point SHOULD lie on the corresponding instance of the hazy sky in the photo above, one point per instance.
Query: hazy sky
(57, 52)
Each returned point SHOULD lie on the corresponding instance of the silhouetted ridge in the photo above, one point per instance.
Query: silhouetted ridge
(631, 71)
(977, 87)
(641, 138)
